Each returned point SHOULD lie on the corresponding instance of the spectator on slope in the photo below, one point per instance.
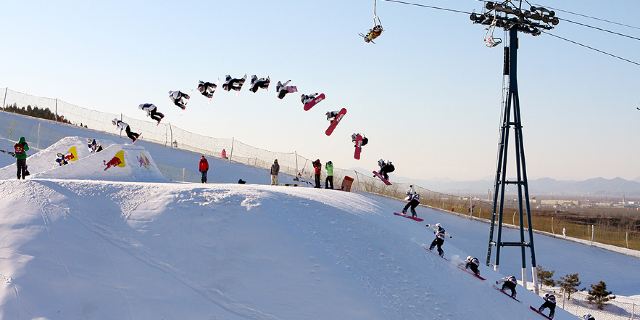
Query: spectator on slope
(549, 302)
(317, 168)
(439, 240)
(275, 169)
(328, 182)
(124, 126)
(203, 167)
(473, 264)
(385, 168)
(414, 200)
(20, 149)
(223, 154)
(510, 283)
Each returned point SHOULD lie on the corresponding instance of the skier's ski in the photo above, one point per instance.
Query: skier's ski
(435, 253)
(408, 216)
(506, 294)
(470, 272)
(538, 312)
(313, 102)
(335, 121)
(375, 173)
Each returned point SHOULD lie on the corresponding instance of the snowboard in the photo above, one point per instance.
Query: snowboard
(506, 294)
(313, 102)
(375, 173)
(461, 266)
(538, 312)
(408, 216)
(335, 121)
(139, 137)
(358, 146)
(434, 252)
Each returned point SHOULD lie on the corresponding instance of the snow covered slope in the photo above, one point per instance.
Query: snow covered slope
(122, 250)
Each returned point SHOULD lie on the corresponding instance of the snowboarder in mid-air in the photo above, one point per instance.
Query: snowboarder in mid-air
(331, 115)
(283, 88)
(588, 316)
(363, 141)
(262, 83)
(510, 283)
(234, 84)
(414, 200)
(385, 168)
(179, 98)
(549, 302)
(207, 89)
(439, 240)
(306, 98)
(152, 111)
(124, 126)
(473, 264)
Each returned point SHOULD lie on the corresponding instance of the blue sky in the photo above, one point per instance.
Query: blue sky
(427, 94)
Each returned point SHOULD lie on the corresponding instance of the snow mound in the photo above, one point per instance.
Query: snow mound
(138, 166)
(45, 160)
(112, 250)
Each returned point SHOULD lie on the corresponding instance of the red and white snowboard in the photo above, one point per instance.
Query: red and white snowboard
(375, 173)
(358, 146)
(408, 216)
(335, 121)
(538, 312)
(313, 102)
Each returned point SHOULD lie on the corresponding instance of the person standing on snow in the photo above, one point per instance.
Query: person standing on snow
(20, 150)
(549, 302)
(510, 283)
(203, 167)
(275, 169)
(328, 182)
(439, 240)
(414, 200)
(317, 168)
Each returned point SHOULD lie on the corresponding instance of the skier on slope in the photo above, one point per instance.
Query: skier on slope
(385, 168)
(308, 98)
(588, 316)
(124, 126)
(549, 302)
(20, 152)
(317, 168)
(413, 199)
(262, 83)
(152, 111)
(510, 283)
(364, 141)
(179, 98)
(439, 240)
(473, 264)
(207, 88)
(233, 83)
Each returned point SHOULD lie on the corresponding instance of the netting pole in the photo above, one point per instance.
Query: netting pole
(232, 143)
(592, 232)
(552, 231)
(296, 154)
(57, 109)
(626, 238)
(4, 101)
(121, 129)
(38, 141)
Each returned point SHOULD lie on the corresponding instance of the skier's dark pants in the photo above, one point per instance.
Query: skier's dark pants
(21, 164)
(473, 267)
(511, 286)
(413, 204)
(157, 116)
(204, 177)
(132, 135)
(384, 174)
(282, 93)
(317, 181)
(551, 306)
(437, 242)
(328, 183)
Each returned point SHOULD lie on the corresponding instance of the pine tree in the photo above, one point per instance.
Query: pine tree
(569, 284)
(599, 295)
(545, 276)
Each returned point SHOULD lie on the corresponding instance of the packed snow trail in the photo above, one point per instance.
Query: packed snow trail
(121, 250)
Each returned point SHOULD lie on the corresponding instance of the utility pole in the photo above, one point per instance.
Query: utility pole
(508, 15)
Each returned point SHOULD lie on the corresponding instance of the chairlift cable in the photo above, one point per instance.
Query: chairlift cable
(592, 48)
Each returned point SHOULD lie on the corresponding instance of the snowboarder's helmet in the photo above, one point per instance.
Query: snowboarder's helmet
(114, 121)
(141, 106)
(438, 225)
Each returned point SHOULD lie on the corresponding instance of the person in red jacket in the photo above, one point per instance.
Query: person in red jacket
(317, 169)
(203, 167)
